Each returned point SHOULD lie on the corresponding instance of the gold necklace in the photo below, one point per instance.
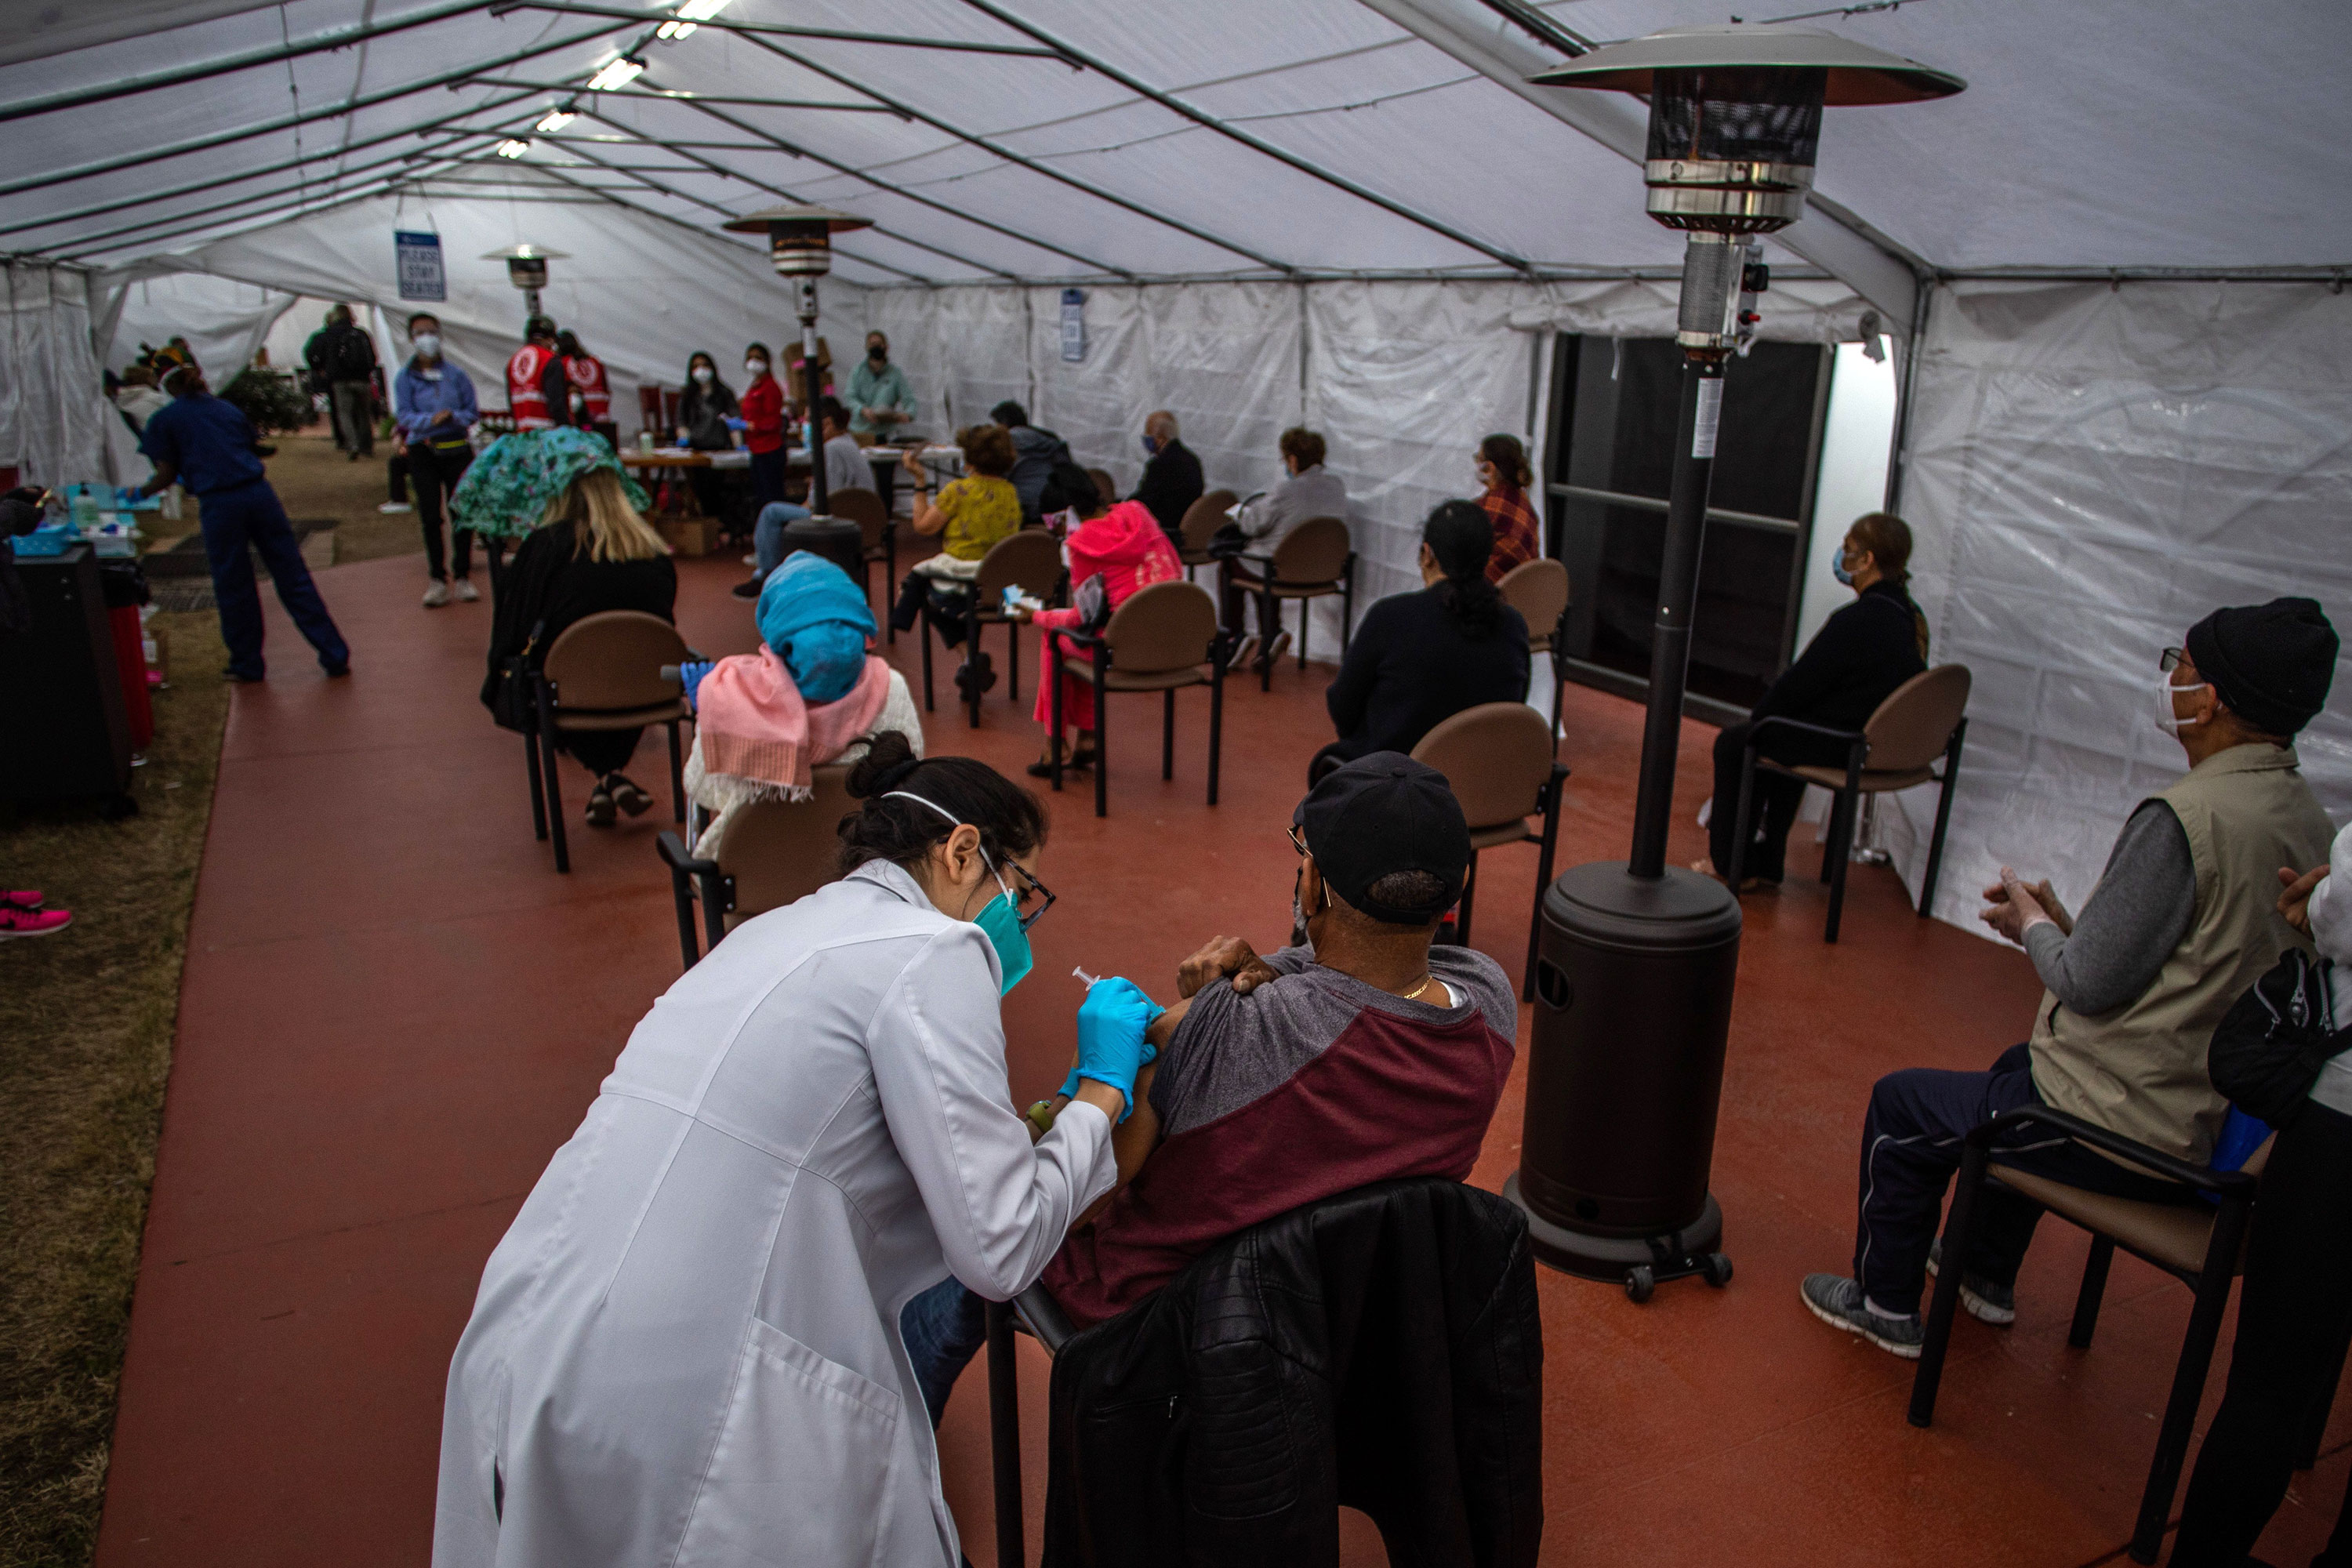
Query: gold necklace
(1414, 994)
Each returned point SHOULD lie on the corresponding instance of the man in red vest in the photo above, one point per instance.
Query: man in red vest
(539, 393)
(590, 399)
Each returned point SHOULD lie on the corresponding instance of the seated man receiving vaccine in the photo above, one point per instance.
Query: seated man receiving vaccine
(1364, 1054)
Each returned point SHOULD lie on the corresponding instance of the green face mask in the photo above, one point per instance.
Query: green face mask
(1000, 924)
(1001, 921)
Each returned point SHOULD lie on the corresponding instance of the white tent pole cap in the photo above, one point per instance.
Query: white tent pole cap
(1857, 73)
(759, 222)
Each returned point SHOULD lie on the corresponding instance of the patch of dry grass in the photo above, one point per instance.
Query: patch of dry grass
(86, 1027)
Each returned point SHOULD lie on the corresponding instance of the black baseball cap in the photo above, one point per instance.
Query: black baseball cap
(1381, 815)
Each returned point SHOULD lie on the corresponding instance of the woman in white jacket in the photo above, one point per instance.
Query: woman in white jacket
(686, 1350)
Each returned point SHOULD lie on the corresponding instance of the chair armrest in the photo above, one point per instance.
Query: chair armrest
(2227, 1183)
(1076, 639)
(1038, 1312)
(675, 855)
(1848, 736)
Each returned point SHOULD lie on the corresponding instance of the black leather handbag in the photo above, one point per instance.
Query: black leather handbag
(2271, 1045)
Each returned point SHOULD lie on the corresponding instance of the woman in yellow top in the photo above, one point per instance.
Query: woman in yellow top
(969, 516)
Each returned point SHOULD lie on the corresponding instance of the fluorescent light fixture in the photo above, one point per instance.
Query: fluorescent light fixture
(511, 148)
(700, 10)
(618, 72)
(557, 119)
(674, 29)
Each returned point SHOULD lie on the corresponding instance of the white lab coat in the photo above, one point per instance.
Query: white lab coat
(686, 1350)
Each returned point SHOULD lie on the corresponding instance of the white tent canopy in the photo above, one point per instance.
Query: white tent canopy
(2113, 265)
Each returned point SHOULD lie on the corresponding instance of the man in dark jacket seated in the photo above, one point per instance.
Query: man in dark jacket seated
(1171, 474)
(1364, 1054)
(1854, 662)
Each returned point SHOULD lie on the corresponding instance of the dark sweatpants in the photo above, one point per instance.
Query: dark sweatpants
(2292, 1313)
(1910, 1148)
(434, 474)
(1774, 799)
(251, 515)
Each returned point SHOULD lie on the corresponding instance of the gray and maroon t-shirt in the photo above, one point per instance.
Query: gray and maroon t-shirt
(1313, 1084)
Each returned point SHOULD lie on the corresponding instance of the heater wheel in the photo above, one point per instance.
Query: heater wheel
(1717, 1267)
(1640, 1282)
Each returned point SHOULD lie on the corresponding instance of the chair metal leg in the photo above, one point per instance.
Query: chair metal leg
(2188, 1378)
(1742, 829)
(687, 949)
(547, 778)
(1049, 655)
(1269, 621)
(1012, 662)
(1167, 734)
(1306, 619)
(923, 630)
(1216, 709)
(890, 549)
(1549, 843)
(538, 803)
(1840, 845)
(1348, 608)
(676, 774)
(1004, 1434)
(2094, 1288)
(1943, 818)
(1960, 1233)
(971, 653)
(1102, 735)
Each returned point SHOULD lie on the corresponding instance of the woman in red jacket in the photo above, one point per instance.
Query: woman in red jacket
(764, 428)
(1122, 544)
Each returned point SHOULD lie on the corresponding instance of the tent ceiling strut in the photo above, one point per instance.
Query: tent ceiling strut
(1010, 156)
(1257, 144)
(754, 29)
(673, 95)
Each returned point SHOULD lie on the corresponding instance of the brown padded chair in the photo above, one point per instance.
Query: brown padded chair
(768, 854)
(1106, 488)
(1922, 718)
(879, 540)
(603, 673)
(1201, 521)
(1497, 759)
(2201, 1242)
(1163, 639)
(1315, 559)
(1030, 561)
(1539, 590)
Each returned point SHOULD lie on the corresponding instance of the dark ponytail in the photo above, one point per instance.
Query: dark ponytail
(1461, 536)
(1010, 820)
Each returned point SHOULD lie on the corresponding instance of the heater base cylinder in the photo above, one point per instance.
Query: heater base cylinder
(1634, 981)
(839, 541)
(1694, 1250)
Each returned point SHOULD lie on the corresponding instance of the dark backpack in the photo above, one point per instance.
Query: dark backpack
(350, 357)
(2271, 1045)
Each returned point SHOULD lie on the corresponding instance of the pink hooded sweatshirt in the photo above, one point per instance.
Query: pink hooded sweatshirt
(1126, 547)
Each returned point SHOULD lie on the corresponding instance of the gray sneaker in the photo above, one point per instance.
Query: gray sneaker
(1986, 1301)
(1837, 1301)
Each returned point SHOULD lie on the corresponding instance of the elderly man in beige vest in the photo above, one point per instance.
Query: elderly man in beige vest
(2184, 918)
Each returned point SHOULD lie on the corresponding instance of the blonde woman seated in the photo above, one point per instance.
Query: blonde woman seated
(591, 552)
(811, 695)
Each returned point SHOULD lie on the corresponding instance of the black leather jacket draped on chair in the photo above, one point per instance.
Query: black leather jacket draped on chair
(1380, 1350)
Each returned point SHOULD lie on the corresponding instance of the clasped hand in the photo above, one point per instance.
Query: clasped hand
(2017, 906)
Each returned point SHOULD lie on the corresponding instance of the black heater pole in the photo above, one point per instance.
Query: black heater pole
(1670, 639)
(820, 503)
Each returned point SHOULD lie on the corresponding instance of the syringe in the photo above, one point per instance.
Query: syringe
(1091, 981)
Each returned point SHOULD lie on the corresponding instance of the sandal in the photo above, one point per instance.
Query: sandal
(1074, 762)
(629, 797)
(600, 807)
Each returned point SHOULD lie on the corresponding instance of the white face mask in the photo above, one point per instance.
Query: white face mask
(2165, 719)
(755, 367)
(429, 344)
(702, 373)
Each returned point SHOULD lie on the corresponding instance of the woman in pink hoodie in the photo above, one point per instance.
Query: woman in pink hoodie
(1124, 546)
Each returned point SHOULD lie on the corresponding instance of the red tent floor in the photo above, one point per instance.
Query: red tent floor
(394, 1010)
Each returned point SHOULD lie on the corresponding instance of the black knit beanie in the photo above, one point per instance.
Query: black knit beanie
(2271, 663)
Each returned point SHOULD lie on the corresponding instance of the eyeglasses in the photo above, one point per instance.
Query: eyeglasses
(1031, 887)
(1296, 842)
(2174, 657)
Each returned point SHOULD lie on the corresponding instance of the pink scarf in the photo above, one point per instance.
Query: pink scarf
(757, 733)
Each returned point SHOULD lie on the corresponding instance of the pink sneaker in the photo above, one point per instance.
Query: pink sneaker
(16, 921)
(27, 901)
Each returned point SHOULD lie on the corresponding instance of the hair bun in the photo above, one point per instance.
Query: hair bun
(889, 759)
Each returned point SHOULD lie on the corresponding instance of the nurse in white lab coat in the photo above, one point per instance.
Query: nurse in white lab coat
(685, 1350)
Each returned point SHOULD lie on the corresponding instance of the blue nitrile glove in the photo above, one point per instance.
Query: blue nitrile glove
(690, 676)
(734, 424)
(1111, 1049)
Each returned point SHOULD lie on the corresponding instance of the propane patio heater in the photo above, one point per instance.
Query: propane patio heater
(1634, 975)
(527, 270)
(800, 245)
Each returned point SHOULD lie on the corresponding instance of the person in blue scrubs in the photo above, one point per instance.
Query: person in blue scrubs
(208, 446)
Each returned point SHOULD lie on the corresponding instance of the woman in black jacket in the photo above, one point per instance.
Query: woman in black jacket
(1858, 658)
(1417, 659)
(593, 553)
(702, 415)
